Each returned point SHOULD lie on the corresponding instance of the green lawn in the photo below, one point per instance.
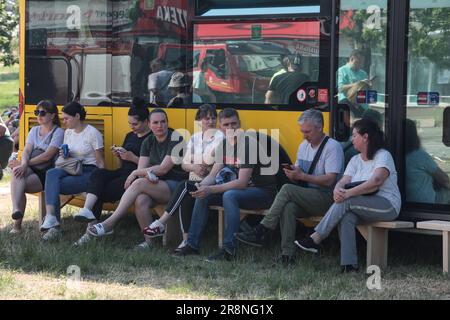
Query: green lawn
(110, 269)
(9, 87)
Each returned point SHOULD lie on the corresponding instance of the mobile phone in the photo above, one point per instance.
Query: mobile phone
(120, 149)
(286, 166)
(192, 187)
(151, 176)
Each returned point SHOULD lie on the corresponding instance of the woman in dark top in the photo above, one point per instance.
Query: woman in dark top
(153, 181)
(108, 185)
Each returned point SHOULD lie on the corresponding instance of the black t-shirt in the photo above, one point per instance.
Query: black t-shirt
(132, 143)
(158, 151)
(285, 84)
(244, 154)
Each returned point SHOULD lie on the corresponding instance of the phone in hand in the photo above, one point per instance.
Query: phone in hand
(151, 176)
(286, 166)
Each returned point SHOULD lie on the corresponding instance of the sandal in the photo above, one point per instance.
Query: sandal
(98, 230)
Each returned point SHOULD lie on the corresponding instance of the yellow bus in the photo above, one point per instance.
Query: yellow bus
(98, 52)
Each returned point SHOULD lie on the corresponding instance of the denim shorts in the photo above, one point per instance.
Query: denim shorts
(172, 184)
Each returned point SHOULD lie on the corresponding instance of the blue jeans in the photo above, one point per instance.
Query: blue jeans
(232, 201)
(58, 181)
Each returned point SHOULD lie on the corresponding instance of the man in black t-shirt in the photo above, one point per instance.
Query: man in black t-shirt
(235, 181)
(283, 85)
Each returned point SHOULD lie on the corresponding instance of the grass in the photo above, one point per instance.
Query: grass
(9, 87)
(31, 269)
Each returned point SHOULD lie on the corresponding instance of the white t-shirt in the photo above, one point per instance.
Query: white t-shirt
(361, 170)
(331, 160)
(201, 151)
(83, 145)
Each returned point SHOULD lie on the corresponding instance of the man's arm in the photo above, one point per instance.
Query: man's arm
(269, 97)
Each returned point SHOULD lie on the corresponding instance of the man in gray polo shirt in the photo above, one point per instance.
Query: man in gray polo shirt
(310, 195)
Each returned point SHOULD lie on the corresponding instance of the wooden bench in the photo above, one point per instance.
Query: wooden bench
(444, 227)
(375, 233)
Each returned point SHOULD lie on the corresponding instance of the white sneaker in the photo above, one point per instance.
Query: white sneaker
(84, 215)
(50, 221)
(52, 234)
(85, 238)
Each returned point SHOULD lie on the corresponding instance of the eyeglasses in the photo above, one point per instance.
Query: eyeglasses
(40, 113)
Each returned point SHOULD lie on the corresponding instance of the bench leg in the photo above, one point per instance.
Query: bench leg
(221, 227)
(377, 247)
(445, 251)
(42, 210)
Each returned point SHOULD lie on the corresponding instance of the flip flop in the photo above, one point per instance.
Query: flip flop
(98, 230)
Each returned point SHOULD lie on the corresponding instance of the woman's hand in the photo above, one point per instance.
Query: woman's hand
(340, 195)
(201, 170)
(130, 179)
(19, 171)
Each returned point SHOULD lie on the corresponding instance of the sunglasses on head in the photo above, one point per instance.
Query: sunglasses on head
(41, 113)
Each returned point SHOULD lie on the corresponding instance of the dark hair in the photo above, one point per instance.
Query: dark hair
(228, 113)
(374, 133)
(50, 107)
(412, 140)
(158, 110)
(139, 109)
(204, 110)
(356, 53)
(72, 108)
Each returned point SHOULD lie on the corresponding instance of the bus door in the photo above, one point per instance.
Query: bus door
(426, 127)
(393, 67)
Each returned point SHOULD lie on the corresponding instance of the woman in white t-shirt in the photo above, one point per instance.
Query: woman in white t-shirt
(85, 143)
(198, 161)
(375, 198)
(41, 148)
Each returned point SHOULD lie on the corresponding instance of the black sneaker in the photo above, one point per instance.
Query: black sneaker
(254, 237)
(222, 255)
(349, 268)
(307, 244)
(17, 215)
(187, 250)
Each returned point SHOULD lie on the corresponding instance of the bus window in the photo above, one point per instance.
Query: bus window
(361, 69)
(145, 31)
(427, 123)
(66, 50)
(242, 63)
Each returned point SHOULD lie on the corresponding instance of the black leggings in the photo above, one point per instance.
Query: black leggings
(182, 202)
(108, 186)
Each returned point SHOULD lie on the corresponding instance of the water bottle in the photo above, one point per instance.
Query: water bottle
(65, 149)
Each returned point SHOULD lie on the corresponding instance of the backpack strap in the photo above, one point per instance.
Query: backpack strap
(317, 155)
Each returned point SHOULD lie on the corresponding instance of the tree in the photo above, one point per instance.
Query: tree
(9, 19)
(430, 35)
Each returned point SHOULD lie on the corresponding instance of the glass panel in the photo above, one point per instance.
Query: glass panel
(71, 37)
(428, 93)
(237, 61)
(361, 74)
(145, 32)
